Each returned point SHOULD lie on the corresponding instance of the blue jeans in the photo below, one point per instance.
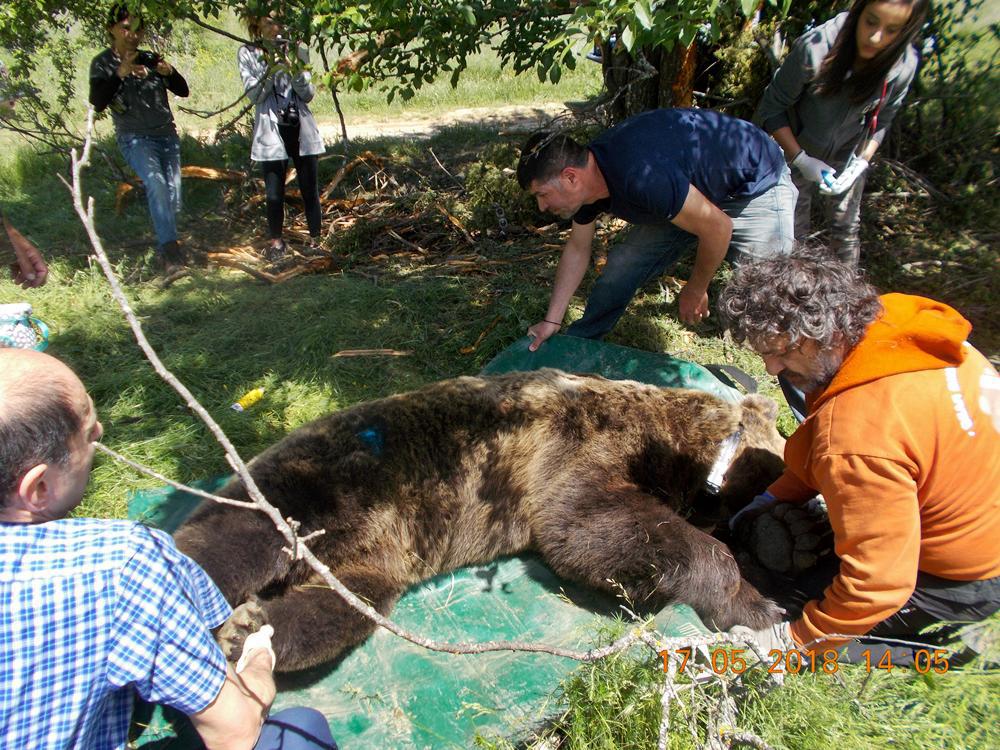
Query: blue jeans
(296, 729)
(762, 226)
(157, 161)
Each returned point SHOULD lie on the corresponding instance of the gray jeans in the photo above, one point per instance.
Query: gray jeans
(843, 213)
(762, 226)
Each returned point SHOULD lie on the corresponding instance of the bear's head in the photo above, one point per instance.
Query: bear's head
(758, 461)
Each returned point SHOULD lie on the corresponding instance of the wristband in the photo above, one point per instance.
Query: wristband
(797, 155)
(552, 322)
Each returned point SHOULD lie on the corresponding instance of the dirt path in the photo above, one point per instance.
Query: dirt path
(517, 117)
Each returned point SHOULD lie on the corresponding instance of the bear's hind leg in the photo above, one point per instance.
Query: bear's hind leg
(632, 538)
(313, 624)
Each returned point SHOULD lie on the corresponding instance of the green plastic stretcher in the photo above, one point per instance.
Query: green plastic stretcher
(391, 694)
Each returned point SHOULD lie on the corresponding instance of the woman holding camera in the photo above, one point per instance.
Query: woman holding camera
(283, 127)
(832, 101)
(134, 83)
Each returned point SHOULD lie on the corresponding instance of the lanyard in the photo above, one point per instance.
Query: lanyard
(878, 108)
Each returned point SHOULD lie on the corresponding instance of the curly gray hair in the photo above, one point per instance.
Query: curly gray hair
(808, 294)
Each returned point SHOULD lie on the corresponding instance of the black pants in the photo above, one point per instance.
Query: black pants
(307, 174)
(933, 600)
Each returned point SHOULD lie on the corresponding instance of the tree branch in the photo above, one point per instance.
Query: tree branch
(221, 32)
(176, 485)
(336, 101)
(205, 115)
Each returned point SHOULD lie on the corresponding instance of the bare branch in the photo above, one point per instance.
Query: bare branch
(80, 160)
(176, 485)
(235, 119)
(221, 32)
(336, 100)
(206, 115)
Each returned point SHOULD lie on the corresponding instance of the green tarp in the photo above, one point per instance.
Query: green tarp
(615, 362)
(389, 693)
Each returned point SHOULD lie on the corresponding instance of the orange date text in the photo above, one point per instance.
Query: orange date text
(734, 661)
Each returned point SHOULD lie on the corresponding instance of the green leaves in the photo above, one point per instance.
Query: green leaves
(405, 45)
(644, 14)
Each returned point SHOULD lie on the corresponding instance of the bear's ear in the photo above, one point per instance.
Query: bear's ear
(767, 408)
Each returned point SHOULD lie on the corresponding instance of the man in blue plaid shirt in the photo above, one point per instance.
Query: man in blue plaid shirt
(95, 612)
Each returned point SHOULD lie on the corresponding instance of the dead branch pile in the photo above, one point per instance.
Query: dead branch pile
(377, 215)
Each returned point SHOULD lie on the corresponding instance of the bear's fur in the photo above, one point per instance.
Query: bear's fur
(592, 474)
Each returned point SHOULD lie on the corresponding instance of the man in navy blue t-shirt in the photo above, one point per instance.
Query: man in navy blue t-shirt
(685, 178)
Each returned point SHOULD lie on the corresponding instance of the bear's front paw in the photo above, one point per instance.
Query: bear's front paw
(788, 538)
(247, 618)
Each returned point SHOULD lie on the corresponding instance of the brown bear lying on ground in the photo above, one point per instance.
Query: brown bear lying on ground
(592, 474)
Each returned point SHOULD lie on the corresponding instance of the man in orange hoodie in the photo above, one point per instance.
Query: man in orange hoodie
(902, 439)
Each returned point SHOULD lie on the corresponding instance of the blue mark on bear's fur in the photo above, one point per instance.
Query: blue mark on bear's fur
(372, 439)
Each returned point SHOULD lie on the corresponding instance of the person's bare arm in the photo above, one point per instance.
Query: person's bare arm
(572, 267)
(788, 142)
(233, 720)
(714, 230)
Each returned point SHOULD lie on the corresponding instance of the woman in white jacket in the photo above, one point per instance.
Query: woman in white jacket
(283, 127)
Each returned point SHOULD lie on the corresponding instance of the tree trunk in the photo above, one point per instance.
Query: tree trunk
(650, 79)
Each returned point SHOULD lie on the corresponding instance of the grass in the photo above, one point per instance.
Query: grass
(616, 703)
(223, 334)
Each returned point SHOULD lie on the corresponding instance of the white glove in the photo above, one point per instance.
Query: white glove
(776, 637)
(261, 640)
(758, 503)
(302, 52)
(854, 168)
(814, 170)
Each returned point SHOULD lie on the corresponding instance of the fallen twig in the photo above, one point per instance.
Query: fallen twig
(125, 188)
(340, 174)
(457, 224)
(213, 173)
(490, 327)
(371, 353)
(221, 260)
(395, 235)
(445, 170)
(915, 177)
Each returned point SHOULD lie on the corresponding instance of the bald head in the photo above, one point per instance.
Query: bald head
(42, 407)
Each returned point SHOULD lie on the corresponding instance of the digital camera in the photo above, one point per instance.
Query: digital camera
(289, 114)
(149, 59)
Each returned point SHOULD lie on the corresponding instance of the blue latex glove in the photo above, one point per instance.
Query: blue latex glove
(757, 504)
(855, 167)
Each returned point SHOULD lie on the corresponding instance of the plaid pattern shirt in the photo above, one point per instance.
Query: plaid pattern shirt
(93, 612)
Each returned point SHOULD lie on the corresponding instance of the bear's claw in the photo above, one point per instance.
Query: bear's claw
(247, 618)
